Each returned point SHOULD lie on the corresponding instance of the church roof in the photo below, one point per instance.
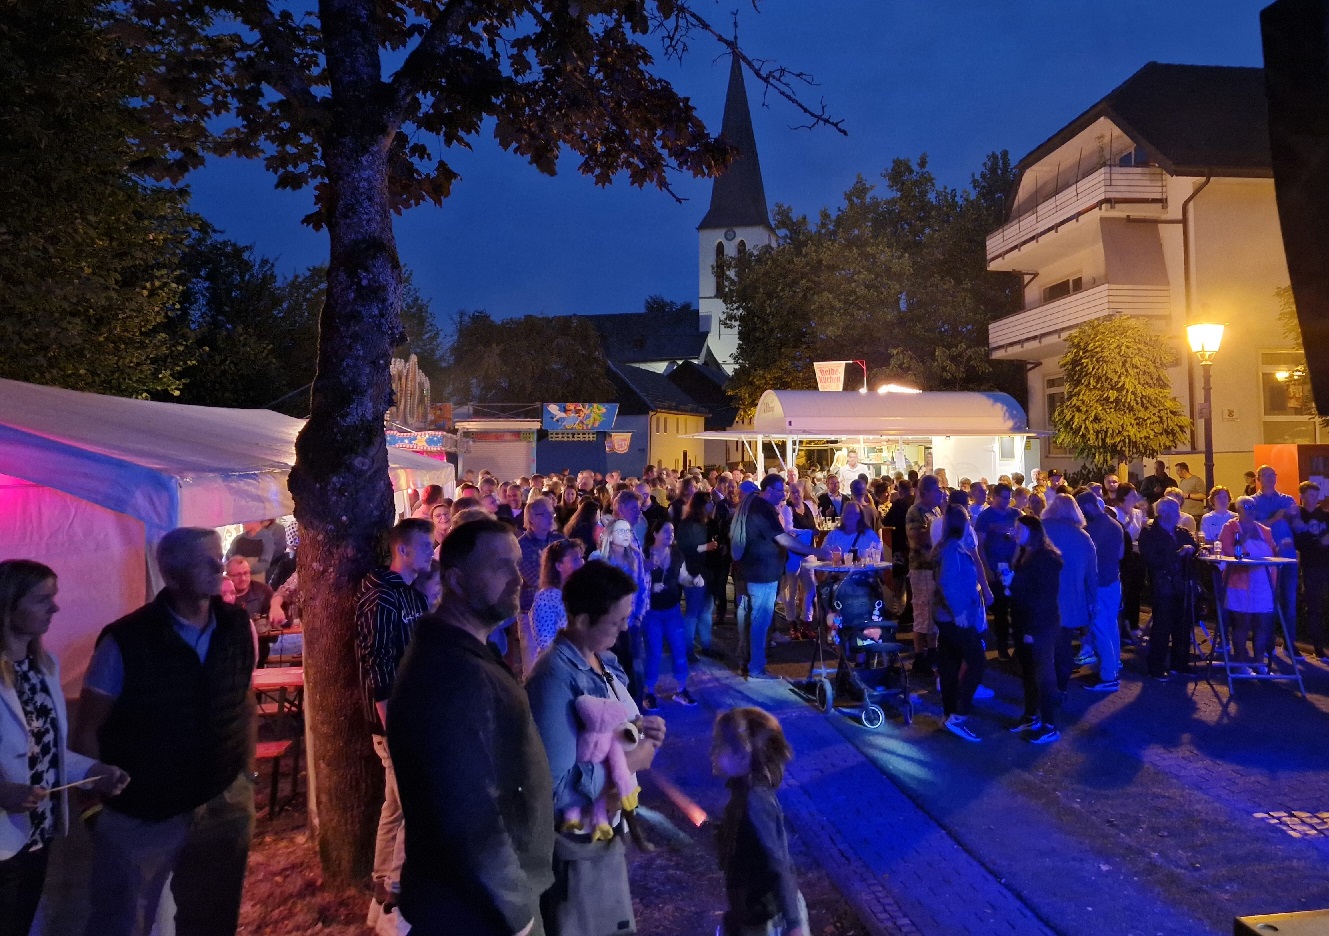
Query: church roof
(1191, 119)
(637, 337)
(738, 198)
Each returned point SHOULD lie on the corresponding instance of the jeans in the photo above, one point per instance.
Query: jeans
(390, 842)
(657, 627)
(203, 852)
(630, 652)
(959, 647)
(21, 880)
(697, 619)
(1104, 634)
(754, 623)
(1171, 626)
(1132, 586)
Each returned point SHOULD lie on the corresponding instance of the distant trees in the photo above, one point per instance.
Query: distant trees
(89, 251)
(525, 360)
(896, 276)
(1119, 404)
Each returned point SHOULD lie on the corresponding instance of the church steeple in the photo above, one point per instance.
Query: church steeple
(738, 198)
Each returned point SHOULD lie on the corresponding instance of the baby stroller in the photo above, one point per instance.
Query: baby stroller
(860, 621)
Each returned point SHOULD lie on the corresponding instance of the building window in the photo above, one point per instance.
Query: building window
(1061, 290)
(742, 248)
(1054, 389)
(719, 265)
(1006, 448)
(1287, 410)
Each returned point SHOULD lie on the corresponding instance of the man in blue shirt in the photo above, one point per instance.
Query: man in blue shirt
(1282, 515)
(995, 528)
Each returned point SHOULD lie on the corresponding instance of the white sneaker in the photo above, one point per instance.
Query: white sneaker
(956, 726)
(983, 692)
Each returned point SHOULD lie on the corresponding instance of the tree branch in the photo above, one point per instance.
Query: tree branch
(281, 71)
(428, 54)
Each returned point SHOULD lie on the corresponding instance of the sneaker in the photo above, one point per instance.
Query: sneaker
(683, 697)
(778, 638)
(649, 702)
(1105, 685)
(956, 726)
(1240, 669)
(1261, 669)
(1086, 658)
(1029, 723)
(983, 692)
(1160, 678)
(763, 675)
(1046, 736)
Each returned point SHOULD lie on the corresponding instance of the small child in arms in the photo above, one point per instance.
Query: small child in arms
(749, 750)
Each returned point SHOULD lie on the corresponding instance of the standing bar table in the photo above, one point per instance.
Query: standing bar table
(1271, 566)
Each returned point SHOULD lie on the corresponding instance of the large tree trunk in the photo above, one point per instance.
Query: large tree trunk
(343, 496)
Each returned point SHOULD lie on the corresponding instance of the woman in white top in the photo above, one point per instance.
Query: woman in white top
(1212, 523)
(854, 532)
(33, 730)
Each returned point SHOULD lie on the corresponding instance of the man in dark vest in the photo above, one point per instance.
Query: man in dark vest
(475, 785)
(167, 698)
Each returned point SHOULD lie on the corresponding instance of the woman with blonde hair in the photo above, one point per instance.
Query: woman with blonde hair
(619, 549)
(34, 761)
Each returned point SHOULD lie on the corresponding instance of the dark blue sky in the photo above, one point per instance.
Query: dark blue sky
(953, 78)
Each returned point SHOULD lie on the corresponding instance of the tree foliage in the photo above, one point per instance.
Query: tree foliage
(253, 334)
(88, 251)
(532, 359)
(1299, 378)
(1119, 404)
(896, 277)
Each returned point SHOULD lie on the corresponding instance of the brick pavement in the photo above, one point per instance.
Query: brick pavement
(1139, 821)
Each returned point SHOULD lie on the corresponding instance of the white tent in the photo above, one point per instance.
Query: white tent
(974, 434)
(89, 483)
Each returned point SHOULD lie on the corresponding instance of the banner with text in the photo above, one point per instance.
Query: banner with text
(830, 374)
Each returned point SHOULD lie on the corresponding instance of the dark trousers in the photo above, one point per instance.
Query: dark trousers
(1132, 586)
(1315, 585)
(1172, 629)
(1045, 671)
(959, 647)
(1000, 636)
(21, 881)
(631, 656)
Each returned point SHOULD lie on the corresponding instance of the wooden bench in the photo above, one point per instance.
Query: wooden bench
(273, 752)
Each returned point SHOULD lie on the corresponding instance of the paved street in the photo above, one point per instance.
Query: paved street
(1142, 820)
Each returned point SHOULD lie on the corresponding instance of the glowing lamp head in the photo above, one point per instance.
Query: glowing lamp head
(1205, 338)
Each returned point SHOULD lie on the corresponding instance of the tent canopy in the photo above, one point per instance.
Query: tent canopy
(812, 414)
(165, 464)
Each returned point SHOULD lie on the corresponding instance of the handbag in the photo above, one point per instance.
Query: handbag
(590, 895)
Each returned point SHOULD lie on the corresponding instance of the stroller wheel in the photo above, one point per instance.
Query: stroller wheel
(908, 709)
(873, 716)
(825, 695)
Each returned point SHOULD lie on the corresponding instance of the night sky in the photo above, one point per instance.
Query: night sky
(953, 78)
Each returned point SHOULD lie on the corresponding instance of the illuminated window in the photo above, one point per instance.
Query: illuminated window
(1287, 410)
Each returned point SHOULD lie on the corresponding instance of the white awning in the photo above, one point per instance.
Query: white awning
(812, 414)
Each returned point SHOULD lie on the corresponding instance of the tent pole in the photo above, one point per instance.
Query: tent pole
(760, 459)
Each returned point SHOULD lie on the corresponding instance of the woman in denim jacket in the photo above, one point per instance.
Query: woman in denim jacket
(961, 616)
(590, 895)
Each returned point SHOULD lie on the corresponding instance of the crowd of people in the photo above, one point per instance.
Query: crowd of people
(523, 624)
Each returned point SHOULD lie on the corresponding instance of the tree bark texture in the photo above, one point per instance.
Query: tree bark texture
(340, 483)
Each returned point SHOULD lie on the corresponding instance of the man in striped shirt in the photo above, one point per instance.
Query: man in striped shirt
(385, 617)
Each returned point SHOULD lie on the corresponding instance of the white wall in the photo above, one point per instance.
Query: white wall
(974, 457)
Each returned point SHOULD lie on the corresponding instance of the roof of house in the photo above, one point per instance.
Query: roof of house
(1190, 119)
(738, 197)
(642, 391)
(705, 386)
(635, 337)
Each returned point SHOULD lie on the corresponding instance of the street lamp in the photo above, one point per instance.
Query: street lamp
(1205, 339)
(864, 365)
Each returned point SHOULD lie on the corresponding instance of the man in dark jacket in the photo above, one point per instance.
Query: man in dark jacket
(167, 698)
(474, 781)
(1167, 549)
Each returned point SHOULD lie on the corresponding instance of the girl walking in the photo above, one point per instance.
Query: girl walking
(750, 751)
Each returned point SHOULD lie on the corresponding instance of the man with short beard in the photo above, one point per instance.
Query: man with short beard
(475, 783)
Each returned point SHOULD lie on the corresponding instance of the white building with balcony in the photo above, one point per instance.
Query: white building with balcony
(1158, 202)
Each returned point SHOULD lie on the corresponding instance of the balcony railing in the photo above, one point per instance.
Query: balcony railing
(1110, 185)
(1052, 319)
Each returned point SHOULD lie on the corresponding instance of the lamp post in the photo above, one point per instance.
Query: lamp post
(1204, 340)
(864, 365)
